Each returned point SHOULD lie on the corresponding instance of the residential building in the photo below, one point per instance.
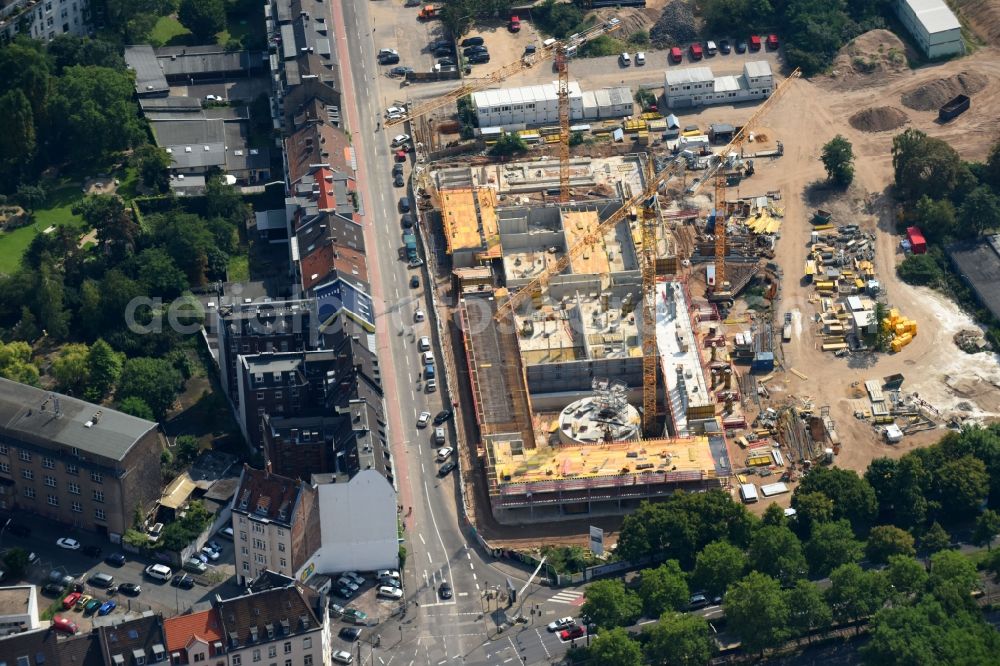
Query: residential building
(697, 86)
(76, 462)
(329, 246)
(286, 626)
(195, 147)
(132, 642)
(195, 638)
(43, 19)
(18, 609)
(149, 78)
(37, 647)
(933, 26)
(316, 142)
(276, 524)
(187, 65)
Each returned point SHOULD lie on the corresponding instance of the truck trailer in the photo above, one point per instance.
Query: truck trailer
(953, 108)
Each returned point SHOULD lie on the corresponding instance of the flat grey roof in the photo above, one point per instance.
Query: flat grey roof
(186, 141)
(979, 264)
(22, 415)
(149, 78)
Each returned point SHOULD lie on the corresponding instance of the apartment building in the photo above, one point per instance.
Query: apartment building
(76, 462)
(132, 642)
(18, 609)
(284, 626)
(195, 638)
(275, 524)
(43, 19)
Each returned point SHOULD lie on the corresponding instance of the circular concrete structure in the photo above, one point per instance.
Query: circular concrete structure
(592, 421)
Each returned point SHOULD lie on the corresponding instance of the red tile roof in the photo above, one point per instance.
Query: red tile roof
(182, 628)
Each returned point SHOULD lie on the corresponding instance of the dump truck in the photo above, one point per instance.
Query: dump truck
(428, 12)
(953, 108)
(410, 245)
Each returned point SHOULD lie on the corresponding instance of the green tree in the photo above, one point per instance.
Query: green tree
(920, 270)
(960, 486)
(223, 200)
(49, 297)
(17, 142)
(70, 368)
(116, 231)
(663, 588)
(987, 527)
(926, 166)
(979, 212)
(159, 274)
(777, 552)
(25, 67)
(153, 380)
(679, 639)
(993, 167)
(936, 218)
(952, 577)
(105, 368)
(935, 538)
(774, 515)
(615, 648)
(811, 509)
(188, 449)
(855, 593)
(807, 610)
(884, 541)
(509, 143)
(853, 498)
(906, 575)
(757, 611)
(719, 565)
(15, 562)
(30, 197)
(136, 407)
(883, 336)
(457, 16)
(204, 18)
(838, 160)
(153, 163)
(558, 19)
(609, 604)
(15, 363)
(831, 545)
(68, 50)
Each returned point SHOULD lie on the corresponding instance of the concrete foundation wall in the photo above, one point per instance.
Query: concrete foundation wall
(578, 375)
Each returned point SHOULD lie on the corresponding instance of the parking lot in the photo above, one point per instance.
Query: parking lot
(154, 595)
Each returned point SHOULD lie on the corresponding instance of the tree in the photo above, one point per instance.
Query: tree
(885, 541)
(49, 297)
(105, 367)
(979, 212)
(17, 141)
(663, 588)
(719, 565)
(223, 200)
(855, 593)
(15, 363)
(757, 611)
(30, 197)
(24, 66)
(116, 231)
(68, 50)
(679, 639)
(906, 575)
(509, 143)
(777, 552)
(136, 407)
(153, 380)
(71, 369)
(838, 160)
(153, 163)
(920, 270)
(853, 498)
(987, 527)
(952, 577)
(883, 336)
(925, 166)
(188, 449)
(935, 538)
(936, 218)
(15, 562)
(609, 604)
(457, 16)
(774, 515)
(807, 610)
(204, 18)
(811, 509)
(159, 274)
(558, 19)
(993, 167)
(960, 486)
(615, 648)
(831, 545)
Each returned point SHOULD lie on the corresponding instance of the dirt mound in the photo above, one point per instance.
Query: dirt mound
(874, 54)
(676, 25)
(933, 94)
(983, 16)
(878, 119)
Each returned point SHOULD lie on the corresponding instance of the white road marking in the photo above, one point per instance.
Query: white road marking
(472, 566)
(544, 646)
(424, 471)
(511, 658)
(467, 553)
(463, 594)
(445, 660)
(427, 493)
(477, 586)
(474, 577)
(422, 539)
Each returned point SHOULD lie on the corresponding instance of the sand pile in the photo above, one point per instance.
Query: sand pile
(676, 25)
(933, 94)
(878, 119)
(874, 54)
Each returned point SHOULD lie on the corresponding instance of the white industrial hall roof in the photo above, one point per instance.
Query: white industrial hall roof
(524, 95)
(677, 77)
(935, 15)
(757, 68)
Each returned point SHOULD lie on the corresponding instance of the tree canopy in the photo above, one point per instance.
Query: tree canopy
(663, 589)
(610, 604)
(679, 639)
(615, 648)
(757, 611)
(838, 160)
(203, 18)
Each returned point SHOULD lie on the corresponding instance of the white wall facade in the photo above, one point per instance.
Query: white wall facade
(359, 528)
(311, 649)
(46, 19)
(261, 545)
(933, 26)
(528, 105)
(699, 87)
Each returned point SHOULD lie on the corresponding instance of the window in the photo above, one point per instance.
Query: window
(3, 449)
(284, 562)
(28, 474)
(4, 467)
(256, 654)
(244, 550)
(29, 492)
(260, 395)
(280, 532)
(50, 481)
(98, 495)
(257, 527)
(307, 643)
(236, 660)
(99, 514)
(72, 469)
(25, 456)
(307, 660)
(258, 544)
(48, 463)
(243, 536)
(260, 558)
(76, 507)
(74, 488)
(288, 647)
(288, 662)
(246, 566)
(75, 451)
(200, 656)
(53, 500)
(97, 477)
(272, 651)
(281, 547)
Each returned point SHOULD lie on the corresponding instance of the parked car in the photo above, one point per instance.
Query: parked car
(388, 59)
(388, 592)
(336, 610)
(446, 468)
(400, 71)
(710, 48)
(444, 590)
(395, 112)
(102, 580)
(60, 577)
(446, 62)
(561, 623)
(404, 204)
(472, 41)
(676, 55)
(400, 139)
(423, 419)
(83, 601)
(576, 631)
(159, 571)
(479, 59)
(344, 581)
(741, 46)
(131, 589)
(342, 656)
(107, 607)
(70, 600)
(398, 181)
(64, 625)
(772, 42)
(442, 416)
(624, 60)
(211, 554)
(696, 52)
(444, 52)
(182, 581)
(640, 59)
(441, 44)
(92, 607)
(444, 453)
(406, 221)
(355, 616)
(698, 600)
(195, 565)
(115, 559)
(226, 533)
(214, 545)
(68, 544)
(343, 592)
(52, 589)
(431, 386)
(469, 50)
(424, 343)
(724, 47)
(397, 168)
(350, 633)
(390, 573)
(418, 315)
(755, 42)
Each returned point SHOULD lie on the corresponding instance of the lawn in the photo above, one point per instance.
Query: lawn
(56, 212)
(169, 31)
(239, 268)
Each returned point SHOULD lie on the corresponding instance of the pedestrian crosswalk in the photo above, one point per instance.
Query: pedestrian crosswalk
(570, 597)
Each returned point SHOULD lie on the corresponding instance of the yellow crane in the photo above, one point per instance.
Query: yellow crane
(529, 62)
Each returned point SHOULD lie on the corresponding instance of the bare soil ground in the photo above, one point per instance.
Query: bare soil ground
(984, 18)
(870, 59)
(878, 119)
(931, 95)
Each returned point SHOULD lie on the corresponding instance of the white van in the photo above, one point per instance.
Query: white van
(640, 58)
(427, 358)
(625, 59)
(159, 571)
(549, 42)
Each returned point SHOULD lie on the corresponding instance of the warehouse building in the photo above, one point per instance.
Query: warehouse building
(517, 108)
(698, 86)
(933, 26)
